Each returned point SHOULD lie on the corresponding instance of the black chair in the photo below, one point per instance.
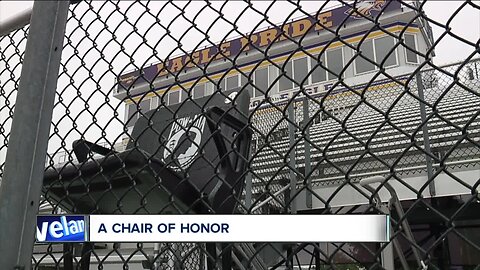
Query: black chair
(185, 158)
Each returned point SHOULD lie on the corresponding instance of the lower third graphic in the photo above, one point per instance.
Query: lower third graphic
(61, 229)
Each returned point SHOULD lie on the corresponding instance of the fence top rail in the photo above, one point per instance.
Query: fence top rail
(15, 22)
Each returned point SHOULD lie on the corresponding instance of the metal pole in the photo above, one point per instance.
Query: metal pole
(248, 191)
(172, 261)
(16, 22)
(177, 256)
(476, 70)
(317, 257)
(387, 258)
(67, 256)
(406, 226)
(289, 259)
(291, 161)
(306, 145)
(293, 178)
(156, 258)
(280, 191)
(202, 260)
(398, 207)
(426, 139)
(27, 149)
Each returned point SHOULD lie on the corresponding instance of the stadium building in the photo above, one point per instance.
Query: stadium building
(255, 64)
(294, 46)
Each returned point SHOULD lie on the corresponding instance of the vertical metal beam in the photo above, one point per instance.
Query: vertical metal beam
(306, 145)
(289, 259)
(293, 178)
(67, 256)
(87, 250)
(211, 259)
(291, 161)
(202, 264)
(226, 256)
(27, 149)
(248, 191)
(405, 225)
(177, 263)
(316, 254)
(426, 137)
(156, 258)
(387, 258)
(476, 70)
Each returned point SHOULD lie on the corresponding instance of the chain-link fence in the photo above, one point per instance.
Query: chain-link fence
(347, 114)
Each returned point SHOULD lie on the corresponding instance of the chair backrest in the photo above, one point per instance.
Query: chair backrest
(196, 137)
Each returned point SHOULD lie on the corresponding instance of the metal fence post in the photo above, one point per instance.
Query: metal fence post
(293, 177)
(291, 161)
(308, 167)
(426, 138)
(25, 160)
(476, 70)
(248, 192)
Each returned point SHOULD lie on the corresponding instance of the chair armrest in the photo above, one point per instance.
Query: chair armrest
(216, 116)
(81, 149)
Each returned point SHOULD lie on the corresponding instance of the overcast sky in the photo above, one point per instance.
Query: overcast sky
(465, 24)
(78, 85)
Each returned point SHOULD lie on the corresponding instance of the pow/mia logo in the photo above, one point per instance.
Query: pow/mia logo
(182, 145)
(231, 97)
(365, 8)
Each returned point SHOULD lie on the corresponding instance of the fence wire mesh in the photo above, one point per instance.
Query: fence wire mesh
(339, 92)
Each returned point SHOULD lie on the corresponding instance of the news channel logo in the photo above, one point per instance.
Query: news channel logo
(61, 229)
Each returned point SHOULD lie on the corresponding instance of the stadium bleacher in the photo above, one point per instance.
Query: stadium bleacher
(358, 139)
